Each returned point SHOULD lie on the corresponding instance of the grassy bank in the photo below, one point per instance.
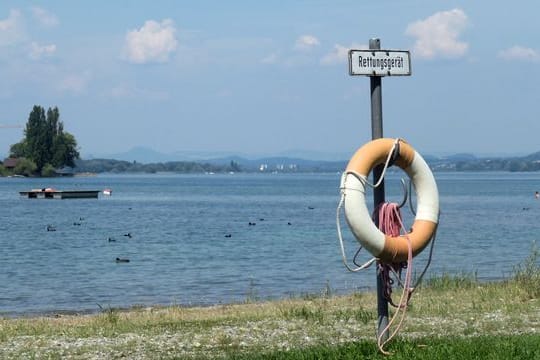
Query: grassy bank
(450, 317)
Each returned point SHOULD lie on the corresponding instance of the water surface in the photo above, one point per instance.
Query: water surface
(191, 242)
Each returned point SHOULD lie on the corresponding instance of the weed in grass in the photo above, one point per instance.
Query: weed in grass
(364, 316)
(527, 274)
(303, 312)
(110, 315)
(470, 327)
(361, 315)
(224, 340)
(327, 292)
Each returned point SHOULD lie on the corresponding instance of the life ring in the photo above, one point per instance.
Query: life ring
(387, 248)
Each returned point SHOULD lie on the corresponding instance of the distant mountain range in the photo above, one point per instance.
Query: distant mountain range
(301, 161)
(146, 155)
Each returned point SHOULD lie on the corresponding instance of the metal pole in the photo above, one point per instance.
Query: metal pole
(378, 193)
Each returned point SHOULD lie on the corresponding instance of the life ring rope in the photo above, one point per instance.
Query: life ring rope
(341, 243)
(353, 187)
(368, 263)
(364, 180)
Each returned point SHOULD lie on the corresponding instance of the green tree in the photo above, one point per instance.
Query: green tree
(47, 171)
(64, 151)
(25, 167)
(45, 141)
(18, 150)
(35, 137)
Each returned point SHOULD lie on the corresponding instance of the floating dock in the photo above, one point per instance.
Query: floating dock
(49, 193)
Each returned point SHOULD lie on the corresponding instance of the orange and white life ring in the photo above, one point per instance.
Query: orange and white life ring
(354, 181)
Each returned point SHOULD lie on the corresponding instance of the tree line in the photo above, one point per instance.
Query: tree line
(121, 166)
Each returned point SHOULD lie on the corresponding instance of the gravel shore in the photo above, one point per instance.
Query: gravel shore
(218, 331)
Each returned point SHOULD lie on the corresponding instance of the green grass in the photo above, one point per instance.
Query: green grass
(447, 281)
(527, 274)
(481, 347)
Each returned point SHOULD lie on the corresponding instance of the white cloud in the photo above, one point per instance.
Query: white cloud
(153, 42)
(12, 28)
(306, 42)
(44, 17)
(40, 51)
(340, 54)
(438, 34)
(520, 53)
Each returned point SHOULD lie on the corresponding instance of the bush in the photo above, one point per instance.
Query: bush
(25, 167)
(48, 171)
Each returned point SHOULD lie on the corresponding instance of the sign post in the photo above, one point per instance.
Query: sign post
(377, 63)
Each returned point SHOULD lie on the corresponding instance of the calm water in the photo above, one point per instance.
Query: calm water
(180, 255)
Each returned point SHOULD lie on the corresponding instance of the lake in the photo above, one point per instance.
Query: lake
(191, 241)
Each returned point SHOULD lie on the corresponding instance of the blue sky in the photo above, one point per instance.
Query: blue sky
(261, 78)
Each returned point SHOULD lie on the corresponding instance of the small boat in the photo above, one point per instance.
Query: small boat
(107, 192)
(50, 193)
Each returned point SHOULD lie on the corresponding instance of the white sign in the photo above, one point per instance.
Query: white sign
(379, 62)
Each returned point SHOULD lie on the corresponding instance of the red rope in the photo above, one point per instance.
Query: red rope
(390, 223)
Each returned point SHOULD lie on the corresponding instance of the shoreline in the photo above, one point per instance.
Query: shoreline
(98, 309)
(449, 307)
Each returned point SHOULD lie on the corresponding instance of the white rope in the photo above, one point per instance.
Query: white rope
(419, 280)
(342, 201)
(340, 237)
(386, 166)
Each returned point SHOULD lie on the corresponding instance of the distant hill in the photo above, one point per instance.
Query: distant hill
(226, 164)
(533, 157)
(461, 157)
(282, 164)
(146, 155)
(139, 154)
(142, 159)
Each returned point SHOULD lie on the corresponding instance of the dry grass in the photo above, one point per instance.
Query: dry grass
(167, 332)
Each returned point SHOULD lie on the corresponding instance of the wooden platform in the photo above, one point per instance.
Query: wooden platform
(58, 194)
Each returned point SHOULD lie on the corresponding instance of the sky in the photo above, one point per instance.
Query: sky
(269, 77)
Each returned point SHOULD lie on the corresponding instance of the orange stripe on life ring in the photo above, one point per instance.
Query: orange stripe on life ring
(387, 248)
